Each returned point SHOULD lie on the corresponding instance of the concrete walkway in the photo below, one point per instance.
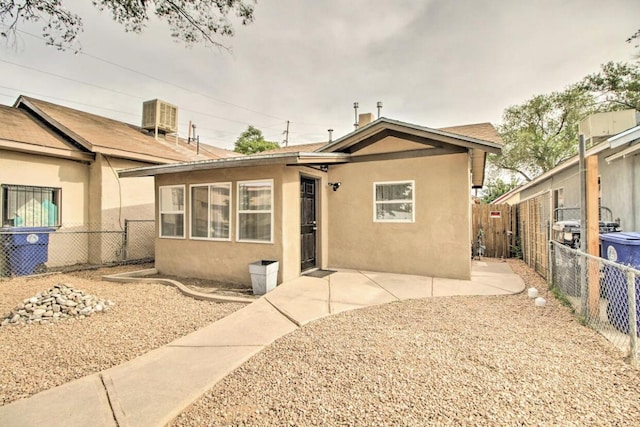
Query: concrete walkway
(154, 388)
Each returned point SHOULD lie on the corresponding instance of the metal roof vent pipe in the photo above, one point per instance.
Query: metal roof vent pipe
(330, 135)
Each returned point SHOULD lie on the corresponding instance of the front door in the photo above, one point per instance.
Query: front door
(308, 225)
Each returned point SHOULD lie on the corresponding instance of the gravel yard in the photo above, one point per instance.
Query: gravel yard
(145, 316)
(444, 361)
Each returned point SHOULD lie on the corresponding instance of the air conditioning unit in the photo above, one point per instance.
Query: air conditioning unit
(599, 126)
(159, 115)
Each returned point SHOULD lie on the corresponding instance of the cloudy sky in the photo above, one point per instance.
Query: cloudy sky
(435, 63)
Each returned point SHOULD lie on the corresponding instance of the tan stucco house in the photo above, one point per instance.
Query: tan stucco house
(58, 168)
(390, 196)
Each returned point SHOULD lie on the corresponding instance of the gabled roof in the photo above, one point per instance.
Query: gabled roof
(384, 127)
(480, 139)
(344, 150)
(22, 132)
(96, 134)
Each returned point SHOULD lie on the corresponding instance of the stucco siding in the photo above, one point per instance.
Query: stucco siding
(620, 183)
(125, 198)
(436, 244)
(72, 177)
(222, 260)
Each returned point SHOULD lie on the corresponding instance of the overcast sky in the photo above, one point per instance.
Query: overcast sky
(434, 63)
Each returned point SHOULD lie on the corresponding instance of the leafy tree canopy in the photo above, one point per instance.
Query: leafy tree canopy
(543, 131)
(251, 141)
(496, 187)
(189, 20)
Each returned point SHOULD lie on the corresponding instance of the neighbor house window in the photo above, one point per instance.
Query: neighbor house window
(255, 211)
(210, 211)
(27, 206)
(394, 201)
(171, 205)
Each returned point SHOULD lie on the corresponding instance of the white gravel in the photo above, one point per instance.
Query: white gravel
(145, 316)
(444, 361)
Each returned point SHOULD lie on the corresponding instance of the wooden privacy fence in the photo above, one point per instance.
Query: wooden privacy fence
(533, 219)
(497, 223)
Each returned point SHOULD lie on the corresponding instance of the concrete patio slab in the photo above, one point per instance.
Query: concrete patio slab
(403, 286)
(482, 267)
(302, 300)
(81, 402)
(350, 290)
(256, 324)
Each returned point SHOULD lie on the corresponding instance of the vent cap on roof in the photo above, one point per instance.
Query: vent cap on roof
(159, 116)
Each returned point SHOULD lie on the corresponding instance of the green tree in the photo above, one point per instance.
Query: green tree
(615, 87)
(251, 141)
(635, 38)
(190, 21)
(496, 187)
(543, 131)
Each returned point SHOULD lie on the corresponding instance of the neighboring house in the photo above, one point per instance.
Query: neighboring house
(58, 168)
(390, 196)
(614, 138)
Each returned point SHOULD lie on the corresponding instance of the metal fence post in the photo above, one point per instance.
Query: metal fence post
(633, 326)
(125, 239)
(582, 263)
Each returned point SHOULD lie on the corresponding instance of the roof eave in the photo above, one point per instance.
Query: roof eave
(304, 158)
(626, 137)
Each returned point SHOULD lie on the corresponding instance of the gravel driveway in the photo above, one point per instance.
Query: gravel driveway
(444, 361)
(145, 316)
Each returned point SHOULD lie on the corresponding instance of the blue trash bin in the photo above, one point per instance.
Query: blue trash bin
(27, 250)
(623, 248)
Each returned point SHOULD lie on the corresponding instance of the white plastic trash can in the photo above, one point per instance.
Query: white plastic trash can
(264, 276)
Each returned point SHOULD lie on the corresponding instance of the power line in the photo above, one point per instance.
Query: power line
(81, 52)
(69, 79)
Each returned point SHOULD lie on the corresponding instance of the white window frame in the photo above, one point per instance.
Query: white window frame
(183, 211)
(238, 211)
(412, 201)
(208, 186)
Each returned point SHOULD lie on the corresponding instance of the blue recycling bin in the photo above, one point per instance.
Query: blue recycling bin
(623, 248)
(26, 249)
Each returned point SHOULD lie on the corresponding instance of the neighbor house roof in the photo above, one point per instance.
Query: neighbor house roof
(343, 150)
(484, 131)
(22, 132)
(97, 134)
(297, 148)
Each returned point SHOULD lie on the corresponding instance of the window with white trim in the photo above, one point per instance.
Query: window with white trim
(394, 201)
(171, 209)
(29, 206)
(255, 212)
(211, 211)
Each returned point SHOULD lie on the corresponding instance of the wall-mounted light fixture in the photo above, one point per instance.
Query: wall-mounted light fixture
(335, 185)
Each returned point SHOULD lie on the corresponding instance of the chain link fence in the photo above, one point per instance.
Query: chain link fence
(34, 250)
(604, 294)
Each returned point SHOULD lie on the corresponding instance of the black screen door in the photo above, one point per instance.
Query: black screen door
(308, 225)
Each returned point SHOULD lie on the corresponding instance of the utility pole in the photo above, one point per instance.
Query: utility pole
(286, 135)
